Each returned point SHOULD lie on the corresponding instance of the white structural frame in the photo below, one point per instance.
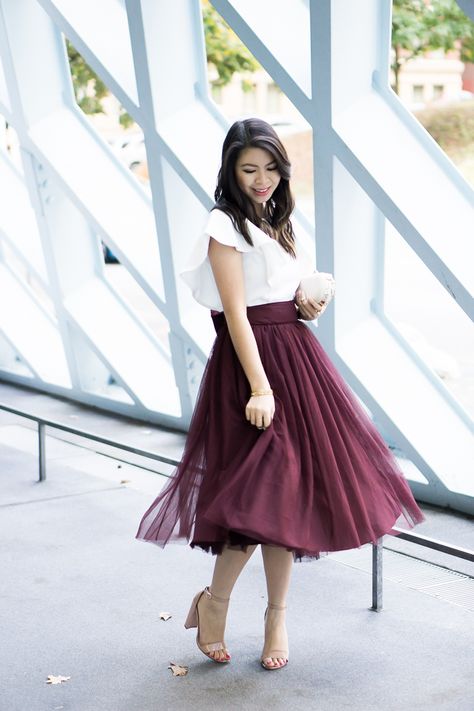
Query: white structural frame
(65, 329)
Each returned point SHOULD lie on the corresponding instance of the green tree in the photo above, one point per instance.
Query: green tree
(224, 51)
(422, 25)
(223, 48)
(89, 89)
(467, 48)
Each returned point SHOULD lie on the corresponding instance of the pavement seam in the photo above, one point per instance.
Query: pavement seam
(62, 496)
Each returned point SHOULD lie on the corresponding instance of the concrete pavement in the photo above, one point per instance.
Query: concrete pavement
(80, 597)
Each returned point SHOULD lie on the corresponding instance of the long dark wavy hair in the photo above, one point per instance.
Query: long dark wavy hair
(255, 133)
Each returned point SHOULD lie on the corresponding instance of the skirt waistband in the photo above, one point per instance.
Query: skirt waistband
(274, 312)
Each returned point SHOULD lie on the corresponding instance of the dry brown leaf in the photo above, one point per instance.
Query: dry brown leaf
(125, 481)
(56, 679)
(165, 616)
(177, 669)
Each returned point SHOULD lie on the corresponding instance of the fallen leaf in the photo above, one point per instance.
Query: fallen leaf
(125, 481)
(165, 616)
(56, 679)
(177, 669)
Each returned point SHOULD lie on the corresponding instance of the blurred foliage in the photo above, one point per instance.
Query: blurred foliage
(422, 25)
(223, 48)
(89, 88)
(452, 125)
(82, 77)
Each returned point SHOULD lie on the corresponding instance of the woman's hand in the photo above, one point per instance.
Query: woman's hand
(308, 308)
(259, 410)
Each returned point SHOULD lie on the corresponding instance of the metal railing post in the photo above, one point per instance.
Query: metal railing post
(377, 547)
(41, 452)
(377, 580)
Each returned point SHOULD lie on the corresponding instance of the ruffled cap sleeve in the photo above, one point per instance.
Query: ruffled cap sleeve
(198, 273)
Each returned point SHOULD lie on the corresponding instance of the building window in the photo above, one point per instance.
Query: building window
(418, 92)
(438, 91)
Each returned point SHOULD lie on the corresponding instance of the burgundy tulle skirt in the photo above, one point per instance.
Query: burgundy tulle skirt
(319, 479)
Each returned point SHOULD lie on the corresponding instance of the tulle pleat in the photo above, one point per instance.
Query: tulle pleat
(319, 479)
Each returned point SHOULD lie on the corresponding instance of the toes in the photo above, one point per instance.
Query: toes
(220, 655)
(275, 661)
(269, 662)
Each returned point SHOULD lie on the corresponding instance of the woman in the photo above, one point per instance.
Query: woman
(279, 451)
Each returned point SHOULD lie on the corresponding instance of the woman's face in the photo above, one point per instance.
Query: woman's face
(257, 175)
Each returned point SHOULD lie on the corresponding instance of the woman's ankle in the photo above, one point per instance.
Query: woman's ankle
(219, 595)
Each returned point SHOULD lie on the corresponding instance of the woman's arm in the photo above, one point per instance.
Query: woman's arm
(226, 263)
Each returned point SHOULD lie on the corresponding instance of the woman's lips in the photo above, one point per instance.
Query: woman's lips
(261, 193)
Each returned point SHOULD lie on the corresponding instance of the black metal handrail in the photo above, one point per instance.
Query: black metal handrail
(377, 547)
(46, 422)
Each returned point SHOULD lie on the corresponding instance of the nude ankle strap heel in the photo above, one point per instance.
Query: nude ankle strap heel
(192, 620)
(274, 653)
(212, 596)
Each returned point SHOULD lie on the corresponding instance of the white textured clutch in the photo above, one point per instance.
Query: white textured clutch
(319, 286)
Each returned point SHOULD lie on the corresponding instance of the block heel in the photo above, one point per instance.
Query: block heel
(192, 620)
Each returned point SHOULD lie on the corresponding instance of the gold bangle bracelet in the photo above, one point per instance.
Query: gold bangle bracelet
(261, 392)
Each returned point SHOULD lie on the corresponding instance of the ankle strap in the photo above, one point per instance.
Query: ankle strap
(211, 595)
(272, 606)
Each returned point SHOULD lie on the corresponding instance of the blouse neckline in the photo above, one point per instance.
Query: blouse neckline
(273, 239)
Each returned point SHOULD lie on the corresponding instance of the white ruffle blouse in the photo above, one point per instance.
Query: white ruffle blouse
(270, 273)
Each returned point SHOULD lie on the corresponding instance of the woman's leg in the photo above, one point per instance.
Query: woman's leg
(278, 564)
(212, 614)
